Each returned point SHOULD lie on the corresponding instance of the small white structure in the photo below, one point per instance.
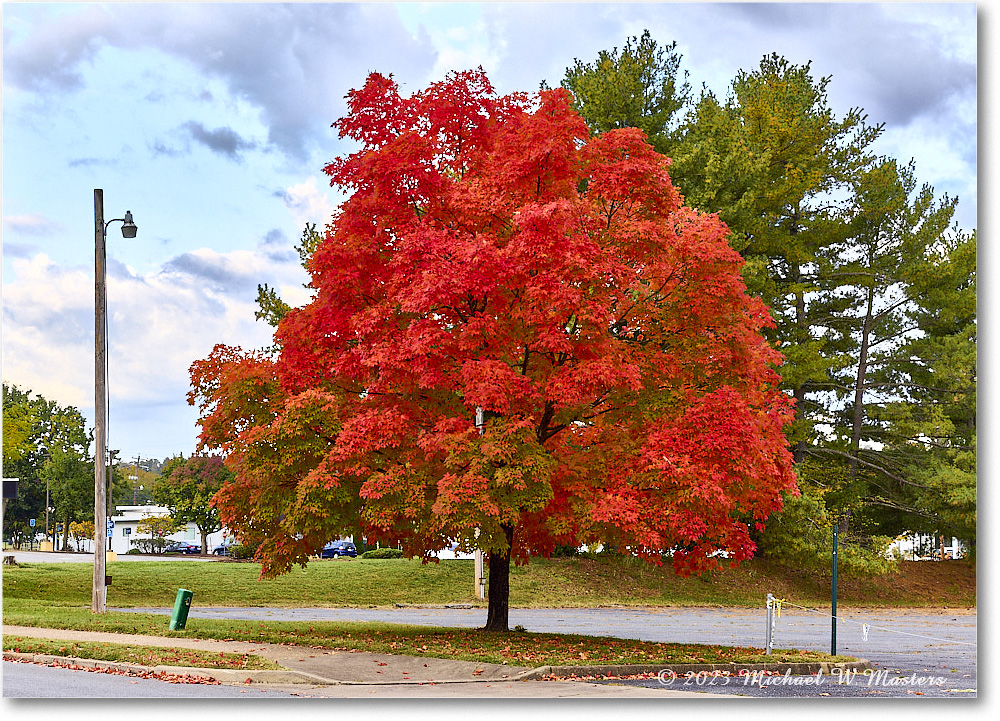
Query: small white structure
(925, 546)
(125, 529)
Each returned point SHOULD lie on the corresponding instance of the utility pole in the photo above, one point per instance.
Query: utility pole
(97, 598)
(135, 483)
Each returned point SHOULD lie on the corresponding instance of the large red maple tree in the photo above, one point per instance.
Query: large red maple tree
(493, 256)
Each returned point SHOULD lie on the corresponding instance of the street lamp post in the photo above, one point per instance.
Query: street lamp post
(98, 601)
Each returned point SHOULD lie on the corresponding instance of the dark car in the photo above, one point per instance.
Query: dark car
(223, 549)
(182, 547)
(339, 548)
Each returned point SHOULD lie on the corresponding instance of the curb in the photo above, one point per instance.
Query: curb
(222, 675)
(285, 676)
(683, 669)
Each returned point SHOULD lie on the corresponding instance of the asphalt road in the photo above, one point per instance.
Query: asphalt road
(935, 650)
(29, 680)
(914, 652)
(59, 557)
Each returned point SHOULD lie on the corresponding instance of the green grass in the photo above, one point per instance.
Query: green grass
(568, 582)
(322, 583)
(515, 648)
(142, 655)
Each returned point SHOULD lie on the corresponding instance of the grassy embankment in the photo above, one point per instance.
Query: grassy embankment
(58, 596)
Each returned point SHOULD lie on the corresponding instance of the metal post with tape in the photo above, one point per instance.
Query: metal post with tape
(768, 641)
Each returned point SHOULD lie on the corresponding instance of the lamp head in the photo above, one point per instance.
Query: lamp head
(129, 228)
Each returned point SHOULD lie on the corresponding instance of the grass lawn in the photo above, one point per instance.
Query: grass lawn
(561, 582)
(142, 655)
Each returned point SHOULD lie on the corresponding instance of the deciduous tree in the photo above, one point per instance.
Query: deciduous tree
(158, 527)
(494, 257)
(187, 487)
(46, 441)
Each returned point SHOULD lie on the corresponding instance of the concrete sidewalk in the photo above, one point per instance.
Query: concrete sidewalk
(325, 667)
(301, 664)
(352, 674)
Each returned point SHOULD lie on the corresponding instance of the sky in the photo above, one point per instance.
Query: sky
(211, 123)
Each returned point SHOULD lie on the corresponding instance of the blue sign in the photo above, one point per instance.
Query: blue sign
(109, 533)
(111, 524)
(32, 523)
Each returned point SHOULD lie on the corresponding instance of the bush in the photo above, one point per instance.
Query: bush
(382, 553)
(242, 551)
(133, 552)
(149, 545)
(565, 552)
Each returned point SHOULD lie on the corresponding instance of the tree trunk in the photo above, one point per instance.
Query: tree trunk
(499, 586)
(802, 324)
(858, 416)
(65, 541)
(799, 450)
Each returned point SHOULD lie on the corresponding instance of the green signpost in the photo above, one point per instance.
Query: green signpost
(833, 629)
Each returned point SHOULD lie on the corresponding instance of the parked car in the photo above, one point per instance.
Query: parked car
(223, 548)
(339, 548)
(182, 547)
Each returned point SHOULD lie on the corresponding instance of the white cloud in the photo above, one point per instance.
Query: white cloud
(291, 61)
(158, 325)
(308, 204)
(31, 224)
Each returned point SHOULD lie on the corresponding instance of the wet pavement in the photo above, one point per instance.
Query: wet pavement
(913, 651)
(326, 673)
(939, 647)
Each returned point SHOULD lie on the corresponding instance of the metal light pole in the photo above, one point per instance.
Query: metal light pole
(833, 615)
(98, 600)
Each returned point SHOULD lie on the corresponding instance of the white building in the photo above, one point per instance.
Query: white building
(125, 529)
(925, 546)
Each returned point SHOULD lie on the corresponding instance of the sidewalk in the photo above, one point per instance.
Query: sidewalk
(357, 675)
(323, 667)
(301, 664)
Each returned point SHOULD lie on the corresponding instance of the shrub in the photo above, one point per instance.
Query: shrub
(565, 552)
(242, 551)
(149, 545)
(383, 553)
(133, 552)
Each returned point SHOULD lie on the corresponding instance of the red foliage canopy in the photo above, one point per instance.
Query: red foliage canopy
(493, 255)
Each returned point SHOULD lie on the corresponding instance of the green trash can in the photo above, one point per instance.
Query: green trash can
(180, 616)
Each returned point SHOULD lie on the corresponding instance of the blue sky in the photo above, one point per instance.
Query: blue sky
(211, 124)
